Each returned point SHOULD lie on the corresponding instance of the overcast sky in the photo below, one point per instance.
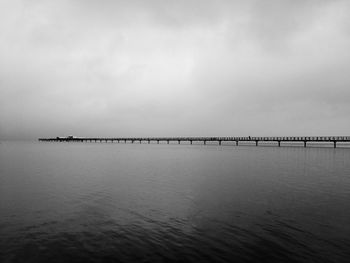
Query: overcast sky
(174, 68)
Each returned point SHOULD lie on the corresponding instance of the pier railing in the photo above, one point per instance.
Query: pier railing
(219, 140)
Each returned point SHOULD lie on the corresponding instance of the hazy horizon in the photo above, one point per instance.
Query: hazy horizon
(174, 68)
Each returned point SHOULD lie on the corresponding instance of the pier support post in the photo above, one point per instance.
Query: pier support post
(335, 144)
(304, 143)
(167, 141)
(236, 143)
(132, 141)
(205, 142)
(256, 143)
(279, 143)
(191, 142)
(179, 141)
(219, 142)
(157, 141)
(149, 141)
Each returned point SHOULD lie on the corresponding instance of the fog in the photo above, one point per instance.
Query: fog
(174, 68)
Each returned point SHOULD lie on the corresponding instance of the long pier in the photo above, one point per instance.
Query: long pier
(278, 140)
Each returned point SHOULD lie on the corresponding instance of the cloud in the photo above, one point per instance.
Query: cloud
(153, 68)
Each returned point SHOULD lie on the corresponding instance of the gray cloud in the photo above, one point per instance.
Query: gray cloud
(158, 68)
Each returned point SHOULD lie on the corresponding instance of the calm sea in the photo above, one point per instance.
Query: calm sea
(104, 202)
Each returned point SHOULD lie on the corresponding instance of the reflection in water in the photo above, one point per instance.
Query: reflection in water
(71, 202)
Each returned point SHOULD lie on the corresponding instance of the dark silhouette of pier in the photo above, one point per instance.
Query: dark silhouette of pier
(219, 140)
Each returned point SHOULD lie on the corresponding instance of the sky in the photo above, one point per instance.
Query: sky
(174, 68)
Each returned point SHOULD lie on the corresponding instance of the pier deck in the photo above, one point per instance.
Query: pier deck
(278, 140)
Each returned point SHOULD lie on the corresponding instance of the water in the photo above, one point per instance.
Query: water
(93, 202)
